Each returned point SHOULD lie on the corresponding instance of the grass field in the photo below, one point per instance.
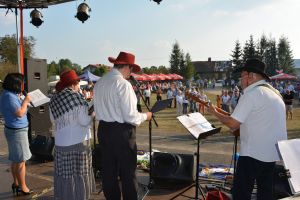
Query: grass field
(169, 124)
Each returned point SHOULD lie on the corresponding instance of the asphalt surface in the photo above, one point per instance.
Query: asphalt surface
(215, 149)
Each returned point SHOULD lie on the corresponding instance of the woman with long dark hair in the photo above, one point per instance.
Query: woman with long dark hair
(14, 111)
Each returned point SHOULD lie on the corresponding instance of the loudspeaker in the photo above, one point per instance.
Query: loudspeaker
(36, 78)
(43, 146)
(40, 123)
(173, 168)
(36, 75)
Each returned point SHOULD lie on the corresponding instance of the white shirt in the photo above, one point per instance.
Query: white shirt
(261, 113)
(115, 100)
(77, 130)
(147, 92)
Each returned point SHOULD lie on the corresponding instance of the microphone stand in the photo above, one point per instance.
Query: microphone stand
(137, 84)
(150, 184)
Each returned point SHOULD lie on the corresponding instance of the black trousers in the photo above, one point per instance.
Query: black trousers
(118, 142)
(248, 171)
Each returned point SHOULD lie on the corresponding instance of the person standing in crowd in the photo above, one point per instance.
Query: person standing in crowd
(234, 99)
(260, 116)
(73, 172)
(147, 94)
(225, 101)
(179, 101)
(115, 107)
(158, 94)
(14, 111)
(288, 100)
(170, 96)
(203, 97)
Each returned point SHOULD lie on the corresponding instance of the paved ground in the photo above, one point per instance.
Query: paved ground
(215, 149)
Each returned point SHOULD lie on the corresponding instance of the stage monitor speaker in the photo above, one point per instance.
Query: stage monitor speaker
(43, 147)
(40, 123)
(173, 168)
(36, 75)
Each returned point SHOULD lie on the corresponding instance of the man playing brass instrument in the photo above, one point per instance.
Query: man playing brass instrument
(260, 116)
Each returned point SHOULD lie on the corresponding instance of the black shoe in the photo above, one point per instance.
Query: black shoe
(19, 190)
(14, 188)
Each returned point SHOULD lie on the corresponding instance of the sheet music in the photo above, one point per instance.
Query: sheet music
(38, 98)
(195, 123)
(290, 151)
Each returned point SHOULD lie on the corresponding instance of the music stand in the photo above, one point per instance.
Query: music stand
(202, 135)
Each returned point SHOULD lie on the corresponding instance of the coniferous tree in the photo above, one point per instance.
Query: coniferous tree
(262, 48)
(285, 56)
(175, 59)
(189, 67)
(237, 55)
(249, 50)
(271, 58)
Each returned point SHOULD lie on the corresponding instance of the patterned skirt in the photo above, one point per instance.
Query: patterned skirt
(73, 172)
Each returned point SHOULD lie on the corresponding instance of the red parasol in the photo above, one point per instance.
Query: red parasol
(283, 76)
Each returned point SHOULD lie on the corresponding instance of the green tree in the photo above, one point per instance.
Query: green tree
(52, 69)
(162, 69)
(262, 47)
(64, 64)
(189, 67)
(101, 70)
(285, 56)
(8, 48)
(249, 50)
(77, 68)
(175, 59)
(237, 54)
(271, 58)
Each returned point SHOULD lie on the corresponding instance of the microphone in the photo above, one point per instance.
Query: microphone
(24, 92)
(133, 80)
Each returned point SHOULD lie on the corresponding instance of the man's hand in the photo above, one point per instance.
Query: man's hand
(212, 109)
(149, 115)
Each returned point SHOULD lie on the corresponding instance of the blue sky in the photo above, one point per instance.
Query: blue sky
(203, 28)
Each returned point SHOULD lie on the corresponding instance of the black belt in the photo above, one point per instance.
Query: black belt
(14, 128)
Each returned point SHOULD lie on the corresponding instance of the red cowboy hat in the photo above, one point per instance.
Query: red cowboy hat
(67, 78)
(125, 59)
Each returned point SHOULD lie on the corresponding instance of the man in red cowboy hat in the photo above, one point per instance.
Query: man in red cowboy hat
(260, 116)
(115, 106)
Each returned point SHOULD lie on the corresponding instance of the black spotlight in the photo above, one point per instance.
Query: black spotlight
(157, 1)
(36, 18)
(83, 12)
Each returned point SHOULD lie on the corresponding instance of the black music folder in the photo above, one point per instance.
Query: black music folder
(161, 105)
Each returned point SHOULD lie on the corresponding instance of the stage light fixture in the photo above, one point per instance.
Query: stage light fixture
(83, 12)
(157, 1)
(36, 18)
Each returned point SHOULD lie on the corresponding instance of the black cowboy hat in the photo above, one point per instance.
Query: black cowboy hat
(254, 65)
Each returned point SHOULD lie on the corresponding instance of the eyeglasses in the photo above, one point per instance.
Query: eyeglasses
(243, 76)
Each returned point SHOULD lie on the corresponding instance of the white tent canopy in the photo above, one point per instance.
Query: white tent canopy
(53, 83)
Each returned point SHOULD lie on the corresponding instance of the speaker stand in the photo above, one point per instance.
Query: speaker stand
(197, 182)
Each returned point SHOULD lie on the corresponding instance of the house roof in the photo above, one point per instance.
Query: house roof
(204, 66)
